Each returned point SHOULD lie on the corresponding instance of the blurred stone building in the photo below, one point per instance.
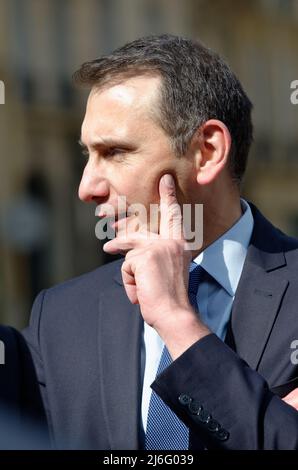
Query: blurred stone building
(42, 42)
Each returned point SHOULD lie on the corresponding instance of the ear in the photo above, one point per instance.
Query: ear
(213, 144)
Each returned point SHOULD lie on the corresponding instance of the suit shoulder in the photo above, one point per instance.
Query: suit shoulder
(290, 249)
(290, 244)
(268, 236)
(93, 281)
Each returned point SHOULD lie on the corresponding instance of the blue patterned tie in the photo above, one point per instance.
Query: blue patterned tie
(165, 431)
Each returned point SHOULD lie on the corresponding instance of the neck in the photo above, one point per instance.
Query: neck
(219, 215)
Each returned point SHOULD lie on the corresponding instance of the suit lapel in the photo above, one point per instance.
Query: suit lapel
(120, 366)
(259, 293)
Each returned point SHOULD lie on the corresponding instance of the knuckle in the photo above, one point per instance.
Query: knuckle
(124, 266)
(171, 194)
(173, 247)
(150, 255)
(127, 256)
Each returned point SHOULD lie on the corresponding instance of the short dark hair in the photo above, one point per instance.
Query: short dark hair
(196, 85)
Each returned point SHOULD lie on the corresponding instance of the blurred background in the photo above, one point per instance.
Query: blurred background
(46, 233)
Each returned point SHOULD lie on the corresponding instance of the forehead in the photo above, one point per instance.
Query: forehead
(121, 108)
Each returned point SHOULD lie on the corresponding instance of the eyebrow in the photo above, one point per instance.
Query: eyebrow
(107, 142)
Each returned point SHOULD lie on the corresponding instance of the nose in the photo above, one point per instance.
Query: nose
(93, 186)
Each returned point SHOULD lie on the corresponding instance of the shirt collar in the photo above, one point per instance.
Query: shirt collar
(224, 258)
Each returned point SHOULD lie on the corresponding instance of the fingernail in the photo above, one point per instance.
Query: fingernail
(169, 181)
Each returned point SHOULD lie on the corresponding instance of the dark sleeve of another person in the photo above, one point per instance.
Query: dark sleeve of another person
(22, 416)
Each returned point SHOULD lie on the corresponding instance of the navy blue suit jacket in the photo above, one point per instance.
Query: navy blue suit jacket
(85, 338)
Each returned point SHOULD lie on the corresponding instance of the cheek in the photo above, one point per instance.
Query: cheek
(139, 182)
(136, 188)
(141, 185)
(145, 192)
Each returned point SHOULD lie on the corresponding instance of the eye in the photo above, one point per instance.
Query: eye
(113, 152)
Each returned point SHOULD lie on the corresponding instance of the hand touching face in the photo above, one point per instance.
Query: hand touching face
(155, 274)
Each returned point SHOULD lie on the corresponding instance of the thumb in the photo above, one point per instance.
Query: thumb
(170, 212)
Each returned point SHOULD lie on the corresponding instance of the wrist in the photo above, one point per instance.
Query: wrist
(181, 330)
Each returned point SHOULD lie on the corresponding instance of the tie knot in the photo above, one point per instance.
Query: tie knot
(196, 274)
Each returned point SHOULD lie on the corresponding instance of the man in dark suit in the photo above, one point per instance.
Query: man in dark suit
(209, 325)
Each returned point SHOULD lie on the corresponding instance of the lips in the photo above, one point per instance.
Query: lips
(120, 222)
(113, 219)
(114, 216)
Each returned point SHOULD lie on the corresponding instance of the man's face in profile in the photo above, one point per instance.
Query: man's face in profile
(128, 151)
